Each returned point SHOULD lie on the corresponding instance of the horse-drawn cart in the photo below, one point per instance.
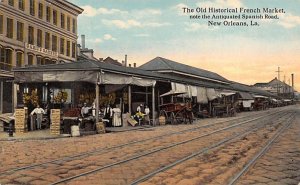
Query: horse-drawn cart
(178, 109)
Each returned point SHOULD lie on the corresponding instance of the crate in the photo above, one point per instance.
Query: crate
(100, 127)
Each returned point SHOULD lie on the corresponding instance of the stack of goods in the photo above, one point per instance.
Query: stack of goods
(100, 127)
(21, 116)
(162, 120)
(55, 122)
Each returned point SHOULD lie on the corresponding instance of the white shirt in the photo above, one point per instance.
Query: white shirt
(147, 111)
(38, 111)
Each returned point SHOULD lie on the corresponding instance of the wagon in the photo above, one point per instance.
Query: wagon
(176, 108)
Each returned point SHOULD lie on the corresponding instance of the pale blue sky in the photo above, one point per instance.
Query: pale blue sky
(144, 29)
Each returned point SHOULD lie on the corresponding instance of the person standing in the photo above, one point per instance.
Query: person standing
(147, 114)
(108, 115)
(117, 117)
(39, 116)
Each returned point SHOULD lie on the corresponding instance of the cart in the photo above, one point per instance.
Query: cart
(178, 109)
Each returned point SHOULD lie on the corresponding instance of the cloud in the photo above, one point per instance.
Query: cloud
(108, 37)
(289, 21)
(98, 40)
(146, 12)
(179, 7)
(142, 35)
(193, 27)
(90, 11)
(221, 4)
(126, 24)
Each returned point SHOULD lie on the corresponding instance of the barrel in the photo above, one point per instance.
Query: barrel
(75, 131)
(162, 120)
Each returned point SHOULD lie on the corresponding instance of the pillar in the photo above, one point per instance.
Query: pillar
(129, 99)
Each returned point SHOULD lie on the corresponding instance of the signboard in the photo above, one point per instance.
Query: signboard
(41, 50)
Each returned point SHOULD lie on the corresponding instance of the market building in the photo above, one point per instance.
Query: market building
(36, 33)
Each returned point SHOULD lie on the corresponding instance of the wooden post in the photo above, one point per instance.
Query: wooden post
(1, 97)
(153, 105)
(129, 99)
(97, 103)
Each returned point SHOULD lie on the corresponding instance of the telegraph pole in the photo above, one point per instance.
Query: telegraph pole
(278, 71)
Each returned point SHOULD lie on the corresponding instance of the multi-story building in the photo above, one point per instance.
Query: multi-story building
(37, 32)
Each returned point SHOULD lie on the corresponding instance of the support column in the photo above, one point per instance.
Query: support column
(153, 105)
(129, 99)
(1, 97)
(14, 97)
(97, 103)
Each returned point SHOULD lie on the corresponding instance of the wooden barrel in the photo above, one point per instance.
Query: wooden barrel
(162, 120)
(100, 127)
(75, 131)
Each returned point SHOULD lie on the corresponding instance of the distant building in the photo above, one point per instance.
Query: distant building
(276, 87)
(84, 53)
(109, 60)
(35, 32)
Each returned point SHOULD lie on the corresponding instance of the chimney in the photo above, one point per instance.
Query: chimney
(134, 65)
(125, 60)
(83, 41)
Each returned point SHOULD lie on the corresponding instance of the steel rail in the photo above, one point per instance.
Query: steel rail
(146, 177)
(261, 152)
(102, 150)
(155, 151)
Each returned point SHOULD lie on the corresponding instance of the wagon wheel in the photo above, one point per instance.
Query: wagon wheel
(180, 116)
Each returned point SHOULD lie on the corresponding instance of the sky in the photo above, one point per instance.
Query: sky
(145, 29)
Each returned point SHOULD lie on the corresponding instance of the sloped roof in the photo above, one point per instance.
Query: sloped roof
(159, 64)
(250, 89)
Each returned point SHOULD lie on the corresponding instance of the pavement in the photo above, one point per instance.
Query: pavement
(45, 134)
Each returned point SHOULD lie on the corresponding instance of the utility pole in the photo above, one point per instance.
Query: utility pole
(278, 71)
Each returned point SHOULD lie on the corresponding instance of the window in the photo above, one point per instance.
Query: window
(55, 17)
(68, 48)
(48, 14)
(39, 60)
(10, 28)
(68, 24)
(2, 58)
(74, 26)
(62, 21)
(41, 10)
(39, 37)
(32, 7)
(47, 40)
(30, 35)
(54, 43)
(30, 60)
(73, 49)
(20, 31)
(21, 5)
(62, 46)
(19, 59)
(5, 59)
(1, 24)
(11, 2)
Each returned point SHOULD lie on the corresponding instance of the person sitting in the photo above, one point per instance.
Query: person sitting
(85, 111)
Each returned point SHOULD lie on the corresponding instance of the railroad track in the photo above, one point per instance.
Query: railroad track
(103, 150)
(153, 151)
(260, 153)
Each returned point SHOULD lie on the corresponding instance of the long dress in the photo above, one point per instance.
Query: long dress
(117, 117)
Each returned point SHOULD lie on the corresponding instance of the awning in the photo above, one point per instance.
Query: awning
(259, 96)
(245, 96)
(172, 92)
(202, 95)
(211, 94)
(227, 93)
(109, 78)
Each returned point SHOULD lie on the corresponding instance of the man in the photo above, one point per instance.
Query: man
(85, 111)
(39, 116)
(108, 113)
